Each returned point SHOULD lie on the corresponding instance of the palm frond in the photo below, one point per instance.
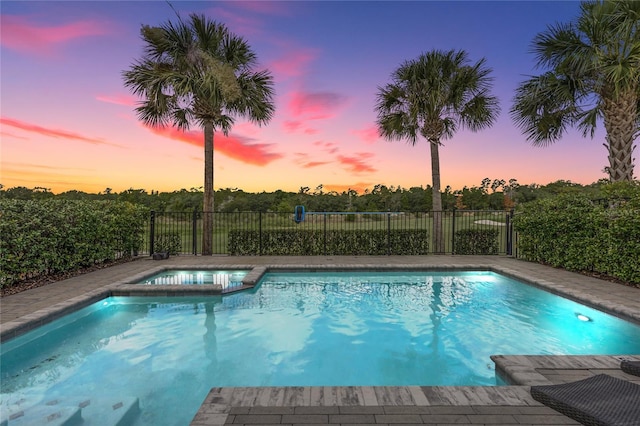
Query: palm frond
(592, 71)
(587, 121)
(198, 72)
(544, 106)
(255, 89)
(434, 95)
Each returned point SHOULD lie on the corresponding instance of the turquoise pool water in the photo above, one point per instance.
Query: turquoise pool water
(294, 329)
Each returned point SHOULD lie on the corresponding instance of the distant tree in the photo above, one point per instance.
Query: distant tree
(495, 201)
(448, 198)
(418, 199)
(199, 74)
(433, 97)
(475, 198)
(76, 195)
(497, 183)
(486, 183)
(24, 193)
(526, 193)
(594, 72)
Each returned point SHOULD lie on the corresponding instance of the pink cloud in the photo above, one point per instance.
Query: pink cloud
(234, 147)
(293, 126)
(357, 164)
(21, 35)
(49, 132)
(311, 164)
(126, 100)
(292, 64)
(315, 105)
(11, 135)
(368, 135)
(329, 147)
(246, 128)
(302, 158)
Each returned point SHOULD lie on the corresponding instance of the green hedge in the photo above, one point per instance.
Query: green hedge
(169, 242)
(573, 232)
(476, 241)
(338, 242)
(56, 236)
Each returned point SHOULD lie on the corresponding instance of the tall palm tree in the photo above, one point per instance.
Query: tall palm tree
(433, 96)
(593, 73)
(197, 73)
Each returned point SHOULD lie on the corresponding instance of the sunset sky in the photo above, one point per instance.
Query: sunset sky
(68, 122)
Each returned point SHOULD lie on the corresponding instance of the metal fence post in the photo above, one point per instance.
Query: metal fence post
(509, 233)
(259, 233)
(324, 243)
(152, 231)
(194, 232)
(453, 231)
(388, 234)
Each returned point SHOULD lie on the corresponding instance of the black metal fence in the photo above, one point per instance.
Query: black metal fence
(463, 231)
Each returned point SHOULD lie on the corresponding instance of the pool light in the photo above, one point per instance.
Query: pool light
(582, 317)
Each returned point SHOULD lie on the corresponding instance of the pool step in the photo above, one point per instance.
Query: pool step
(77, 411)
(50, 415)
(109, 411)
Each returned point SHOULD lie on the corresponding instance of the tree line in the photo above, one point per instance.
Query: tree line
(490, 194)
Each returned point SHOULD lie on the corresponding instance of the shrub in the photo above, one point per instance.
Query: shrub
(333, 242)
(39, 237)
(620, 256)
(170, 242)
(572, 232)
(476, 241)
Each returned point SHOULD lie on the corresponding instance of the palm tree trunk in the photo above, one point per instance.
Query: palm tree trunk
(620, 117)
(436, 197)
(208, 207)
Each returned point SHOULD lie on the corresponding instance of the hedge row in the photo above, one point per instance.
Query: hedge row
(476, 241)
(575, 233)
(168, 242)
(56, 236)
(334, 242)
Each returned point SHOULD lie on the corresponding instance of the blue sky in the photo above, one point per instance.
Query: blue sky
(68, 122)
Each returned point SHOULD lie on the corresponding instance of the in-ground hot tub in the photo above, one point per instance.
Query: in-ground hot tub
(224, 278)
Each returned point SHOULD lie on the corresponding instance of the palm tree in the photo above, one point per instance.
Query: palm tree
(593, 73)
(199, 74)
(434, 96)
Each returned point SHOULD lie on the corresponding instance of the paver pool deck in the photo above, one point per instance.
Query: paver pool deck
(406, 405)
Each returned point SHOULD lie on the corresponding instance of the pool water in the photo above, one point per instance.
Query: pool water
(298, 329)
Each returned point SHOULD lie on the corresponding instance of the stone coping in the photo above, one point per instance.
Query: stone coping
(408, 405)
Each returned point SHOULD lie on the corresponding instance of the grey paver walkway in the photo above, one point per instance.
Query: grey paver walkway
(363, 405)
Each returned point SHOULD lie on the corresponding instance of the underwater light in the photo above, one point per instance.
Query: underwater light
(583, 317)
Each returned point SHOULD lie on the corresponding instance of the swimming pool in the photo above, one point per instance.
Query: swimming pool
(294, 329)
